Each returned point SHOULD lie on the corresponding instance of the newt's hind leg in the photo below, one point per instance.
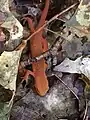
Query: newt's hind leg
(30, 23)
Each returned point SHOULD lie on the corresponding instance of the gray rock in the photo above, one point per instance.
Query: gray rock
(57, 103)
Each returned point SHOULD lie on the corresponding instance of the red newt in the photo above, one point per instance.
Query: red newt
(38, 45)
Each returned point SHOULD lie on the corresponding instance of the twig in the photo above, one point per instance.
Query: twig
(67, 86)
(31, 60)
(21, 98)
(45, 54)
(24, 42)
(86, 108)
(52, 31)
(60, 19)
(56, 16)
(50, 51)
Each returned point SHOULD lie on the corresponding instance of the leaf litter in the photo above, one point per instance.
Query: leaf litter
(67, 57)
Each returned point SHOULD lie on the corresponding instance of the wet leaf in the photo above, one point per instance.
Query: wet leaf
(80, 66)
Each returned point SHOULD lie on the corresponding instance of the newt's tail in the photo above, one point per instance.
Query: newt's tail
(44, 14)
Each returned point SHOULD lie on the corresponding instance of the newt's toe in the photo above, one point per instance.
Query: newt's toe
(27, 73)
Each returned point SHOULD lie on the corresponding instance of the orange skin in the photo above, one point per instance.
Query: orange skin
(38, 45)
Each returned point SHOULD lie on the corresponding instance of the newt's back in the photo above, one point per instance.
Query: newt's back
(41, 82)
